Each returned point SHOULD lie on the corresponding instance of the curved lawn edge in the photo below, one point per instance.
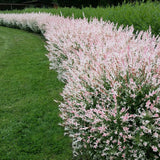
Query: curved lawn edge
(29, 118)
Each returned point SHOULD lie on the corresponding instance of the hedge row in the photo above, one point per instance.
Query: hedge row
(141, 16)
(111, 106)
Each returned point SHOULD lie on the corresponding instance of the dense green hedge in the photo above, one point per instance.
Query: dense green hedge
(141, 16)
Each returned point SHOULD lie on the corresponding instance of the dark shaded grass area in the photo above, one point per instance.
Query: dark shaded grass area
(29, 117)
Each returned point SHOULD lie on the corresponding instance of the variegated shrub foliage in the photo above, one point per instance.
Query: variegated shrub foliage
(111, 106)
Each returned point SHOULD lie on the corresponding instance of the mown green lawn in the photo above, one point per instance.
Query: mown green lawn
(29, 117)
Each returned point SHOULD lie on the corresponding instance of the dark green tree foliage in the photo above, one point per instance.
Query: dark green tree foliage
(12, 1)
(105, 3)
(94, 3)
(78, 3)
(46, 1)
(21, 1)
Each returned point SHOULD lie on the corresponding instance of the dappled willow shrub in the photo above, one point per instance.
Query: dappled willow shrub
(111, 102)
(111, 106)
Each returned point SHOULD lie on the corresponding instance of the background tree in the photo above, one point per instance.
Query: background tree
(78, 3)
(21, 1)
(94, 3)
